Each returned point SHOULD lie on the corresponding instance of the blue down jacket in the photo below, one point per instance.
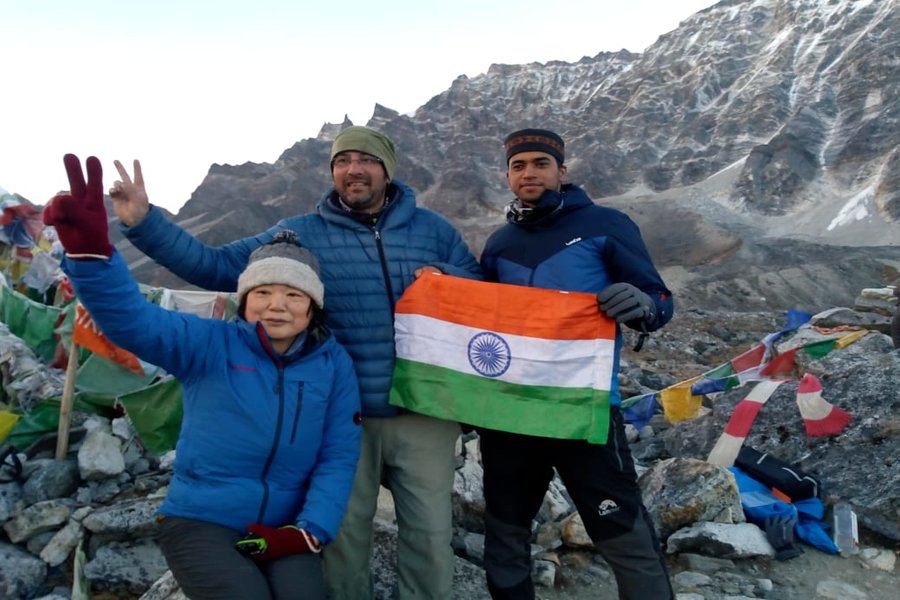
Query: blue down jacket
(578, 246)
(265, 438)
(365, 269)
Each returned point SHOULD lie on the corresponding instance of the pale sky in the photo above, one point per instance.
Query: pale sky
(184, 84)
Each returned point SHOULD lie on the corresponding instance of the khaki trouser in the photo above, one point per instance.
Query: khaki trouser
(413, 455)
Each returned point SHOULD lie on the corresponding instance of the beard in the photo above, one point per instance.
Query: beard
(364, 197)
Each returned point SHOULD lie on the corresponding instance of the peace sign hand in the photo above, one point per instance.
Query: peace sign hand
(79, 215)
(130, 201)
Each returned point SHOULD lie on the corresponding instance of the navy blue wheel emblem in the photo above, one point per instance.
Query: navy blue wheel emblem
(489, 354)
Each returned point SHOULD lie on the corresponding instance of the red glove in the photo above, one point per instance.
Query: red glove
(79, 216)
(268, 543)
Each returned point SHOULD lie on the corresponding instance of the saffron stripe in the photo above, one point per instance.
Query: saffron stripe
(508, 309)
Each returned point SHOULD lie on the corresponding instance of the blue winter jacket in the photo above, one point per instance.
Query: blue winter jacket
(575, 245)
(365, 269)
(265, 438)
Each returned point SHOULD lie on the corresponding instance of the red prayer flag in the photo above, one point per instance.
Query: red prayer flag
(87, 334)
(749, 359)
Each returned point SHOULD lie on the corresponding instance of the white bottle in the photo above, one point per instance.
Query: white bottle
(846, 531)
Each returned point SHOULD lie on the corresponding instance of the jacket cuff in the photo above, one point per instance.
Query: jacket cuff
(314, 529)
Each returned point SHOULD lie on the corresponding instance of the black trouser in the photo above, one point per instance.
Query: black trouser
(206, 565)
(603, 485)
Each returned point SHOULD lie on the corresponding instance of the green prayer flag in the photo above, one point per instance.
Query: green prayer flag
(819, 349)
(155, 413)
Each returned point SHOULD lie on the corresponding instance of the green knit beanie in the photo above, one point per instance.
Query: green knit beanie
(364, 139)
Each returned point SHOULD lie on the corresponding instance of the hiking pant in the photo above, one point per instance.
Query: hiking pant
(206, 565)
(603, 485)
(413, 456)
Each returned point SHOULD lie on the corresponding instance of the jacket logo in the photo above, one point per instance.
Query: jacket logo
(573, 241)
(607, 507)
(241, 368)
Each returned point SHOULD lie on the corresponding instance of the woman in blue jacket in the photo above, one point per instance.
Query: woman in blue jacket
(270, 436)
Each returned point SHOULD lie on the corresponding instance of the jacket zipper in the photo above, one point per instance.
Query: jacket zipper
(384, 268)
(279, 389)
(297, 413)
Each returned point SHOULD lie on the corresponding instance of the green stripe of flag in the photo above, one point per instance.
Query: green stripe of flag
(564, 413)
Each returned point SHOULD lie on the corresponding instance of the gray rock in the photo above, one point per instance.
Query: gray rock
(679, 492)
(36, 519)
(690, 581)
(164, 588)
(839, 590)
(36, 543)
(63, 542)
(54, 479)
(128, 519)
(468, 490)
(706, 564)
(10, 498)
(100, 456)
(126, 566)
(721, 540)
(543, 573)
(21, 573)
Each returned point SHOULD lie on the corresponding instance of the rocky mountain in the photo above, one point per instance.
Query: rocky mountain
(757, 146)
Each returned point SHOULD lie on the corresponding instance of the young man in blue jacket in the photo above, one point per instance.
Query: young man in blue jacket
(557, 238)
(372, 241)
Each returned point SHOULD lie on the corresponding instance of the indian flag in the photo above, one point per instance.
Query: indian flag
(506, 357)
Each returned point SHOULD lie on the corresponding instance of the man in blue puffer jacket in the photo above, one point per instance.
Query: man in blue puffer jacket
(372, 241)
(557, 238)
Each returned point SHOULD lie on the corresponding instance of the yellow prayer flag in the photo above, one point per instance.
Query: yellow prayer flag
(678, 402)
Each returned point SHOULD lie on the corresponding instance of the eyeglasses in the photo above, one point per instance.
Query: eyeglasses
(366, 161)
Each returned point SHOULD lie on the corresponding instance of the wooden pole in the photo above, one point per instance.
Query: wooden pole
(65, 406)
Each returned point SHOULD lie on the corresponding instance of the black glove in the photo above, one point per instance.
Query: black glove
(626, 304)
(780, 532)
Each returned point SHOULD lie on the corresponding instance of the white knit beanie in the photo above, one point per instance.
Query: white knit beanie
(284, 261)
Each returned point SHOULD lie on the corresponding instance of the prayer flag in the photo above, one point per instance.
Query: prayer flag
(729, 443)
(679, 401)
(725, 374)
(819, 349)
(87, 334)
(782, 365)
(819, 416)
(749, 359)
(846, 340)
(640, 409)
